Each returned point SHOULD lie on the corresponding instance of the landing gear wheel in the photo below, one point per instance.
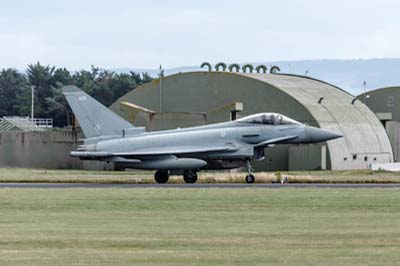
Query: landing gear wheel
(190, 177)
(250, 179)
(161, 176)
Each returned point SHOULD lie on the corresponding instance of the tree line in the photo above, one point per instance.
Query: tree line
(104, 85)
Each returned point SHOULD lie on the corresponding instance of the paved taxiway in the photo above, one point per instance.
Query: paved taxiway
(183, 186)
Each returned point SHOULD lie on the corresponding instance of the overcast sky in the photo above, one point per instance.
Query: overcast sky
(144, 34)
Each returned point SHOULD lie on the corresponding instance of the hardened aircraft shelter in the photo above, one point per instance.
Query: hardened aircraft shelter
(384, 102)
(197, 98)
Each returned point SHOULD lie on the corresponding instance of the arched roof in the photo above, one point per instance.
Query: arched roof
(383, 100)
(320, 103)
(363, 133)
(379, 90)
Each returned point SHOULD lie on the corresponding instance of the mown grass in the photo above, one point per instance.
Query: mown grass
(200, 226)
(82, 176)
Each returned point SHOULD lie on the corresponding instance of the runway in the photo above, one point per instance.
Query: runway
(194, 186)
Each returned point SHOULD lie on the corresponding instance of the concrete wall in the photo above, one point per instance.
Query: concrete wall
(308, 157)
(393, 130)
(46, 149)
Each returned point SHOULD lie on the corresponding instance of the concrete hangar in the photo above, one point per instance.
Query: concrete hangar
(384, 103)
(197, 98)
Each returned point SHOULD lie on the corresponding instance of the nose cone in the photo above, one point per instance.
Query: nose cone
(313, 134)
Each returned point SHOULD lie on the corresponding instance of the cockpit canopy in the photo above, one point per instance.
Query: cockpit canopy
(268, 119)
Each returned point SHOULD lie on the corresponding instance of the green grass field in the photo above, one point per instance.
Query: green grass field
(251, 226)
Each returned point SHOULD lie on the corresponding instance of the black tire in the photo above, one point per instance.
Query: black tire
(161, 176)
(250, 179)
(190, 177)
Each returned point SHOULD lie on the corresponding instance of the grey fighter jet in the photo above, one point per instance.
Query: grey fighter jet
(185, 151)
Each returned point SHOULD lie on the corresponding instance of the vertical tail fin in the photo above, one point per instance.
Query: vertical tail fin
(94, 118)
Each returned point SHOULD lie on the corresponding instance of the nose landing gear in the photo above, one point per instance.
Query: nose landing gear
(249, 177)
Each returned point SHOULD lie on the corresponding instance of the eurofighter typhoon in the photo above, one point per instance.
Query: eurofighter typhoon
(185, 151)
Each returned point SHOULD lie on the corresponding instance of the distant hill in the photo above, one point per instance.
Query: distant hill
(347, 74)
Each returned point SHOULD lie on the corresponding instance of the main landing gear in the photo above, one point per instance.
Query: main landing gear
(249, 177)
(162, 176)
(190, 176)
